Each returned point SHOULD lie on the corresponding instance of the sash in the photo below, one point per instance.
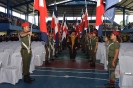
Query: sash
(108, 49)
(28, 48)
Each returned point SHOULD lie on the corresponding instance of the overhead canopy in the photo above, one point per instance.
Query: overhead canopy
(72, 7)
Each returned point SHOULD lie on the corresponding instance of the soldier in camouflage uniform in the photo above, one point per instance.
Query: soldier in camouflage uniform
(60, 43)
(56, 50)
(94, 44)
(46, 46)
(83, 43)
(86, 44)
(89, 45)
(113, 52)
(50, 39)
(26, 52)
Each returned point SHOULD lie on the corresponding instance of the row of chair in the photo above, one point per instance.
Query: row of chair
(11, 60)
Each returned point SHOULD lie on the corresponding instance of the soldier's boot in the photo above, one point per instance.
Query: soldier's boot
(52, 59)
(27, 80)
(32, 79)
(47, 63)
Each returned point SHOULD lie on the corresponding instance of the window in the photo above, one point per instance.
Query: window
(22, 16)
(15, 14)
(2, 9)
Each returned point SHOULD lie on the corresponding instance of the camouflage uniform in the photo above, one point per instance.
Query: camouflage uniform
(89, 47)
(93, 43)
(60, 45)
(111, 52)
(50, 39)
(26, 54)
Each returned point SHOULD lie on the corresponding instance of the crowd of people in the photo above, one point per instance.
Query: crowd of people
(130, 25)
(16, 37)
(13, 20)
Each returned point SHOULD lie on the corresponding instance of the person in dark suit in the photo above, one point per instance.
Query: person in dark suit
(72, 43)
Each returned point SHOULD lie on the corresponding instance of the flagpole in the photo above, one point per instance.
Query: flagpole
(87, 11)
(32, 20)
(104, 25)
(85, 4)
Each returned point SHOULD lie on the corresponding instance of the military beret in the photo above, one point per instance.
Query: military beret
(116, 33)
(25, 24)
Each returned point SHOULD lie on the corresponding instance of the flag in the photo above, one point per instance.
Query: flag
(55, 25)
(85, 21)
(85, 18)
(81, 22)
(40, 5)
(65, 28)
(99, 16)
(110, 9)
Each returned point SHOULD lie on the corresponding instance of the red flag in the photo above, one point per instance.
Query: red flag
(99, 12)
(85, 19)
(81, 22)
(53, 23)
(40, 5)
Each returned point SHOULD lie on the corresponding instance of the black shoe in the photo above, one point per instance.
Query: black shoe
(47, 63)
(52, 59)
(59, 53)
(27, 80)
(32, 79)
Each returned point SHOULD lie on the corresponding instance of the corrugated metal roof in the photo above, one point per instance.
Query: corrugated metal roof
(72, 7)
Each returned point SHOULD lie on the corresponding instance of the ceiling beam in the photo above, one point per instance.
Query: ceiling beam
(125, 8)
(123, 2)
(11, 8)
(59, 3)
(122, 11)
(24, 3)
(66, 6)
(129, 3)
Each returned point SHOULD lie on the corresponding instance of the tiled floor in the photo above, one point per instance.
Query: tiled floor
(63, 73)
